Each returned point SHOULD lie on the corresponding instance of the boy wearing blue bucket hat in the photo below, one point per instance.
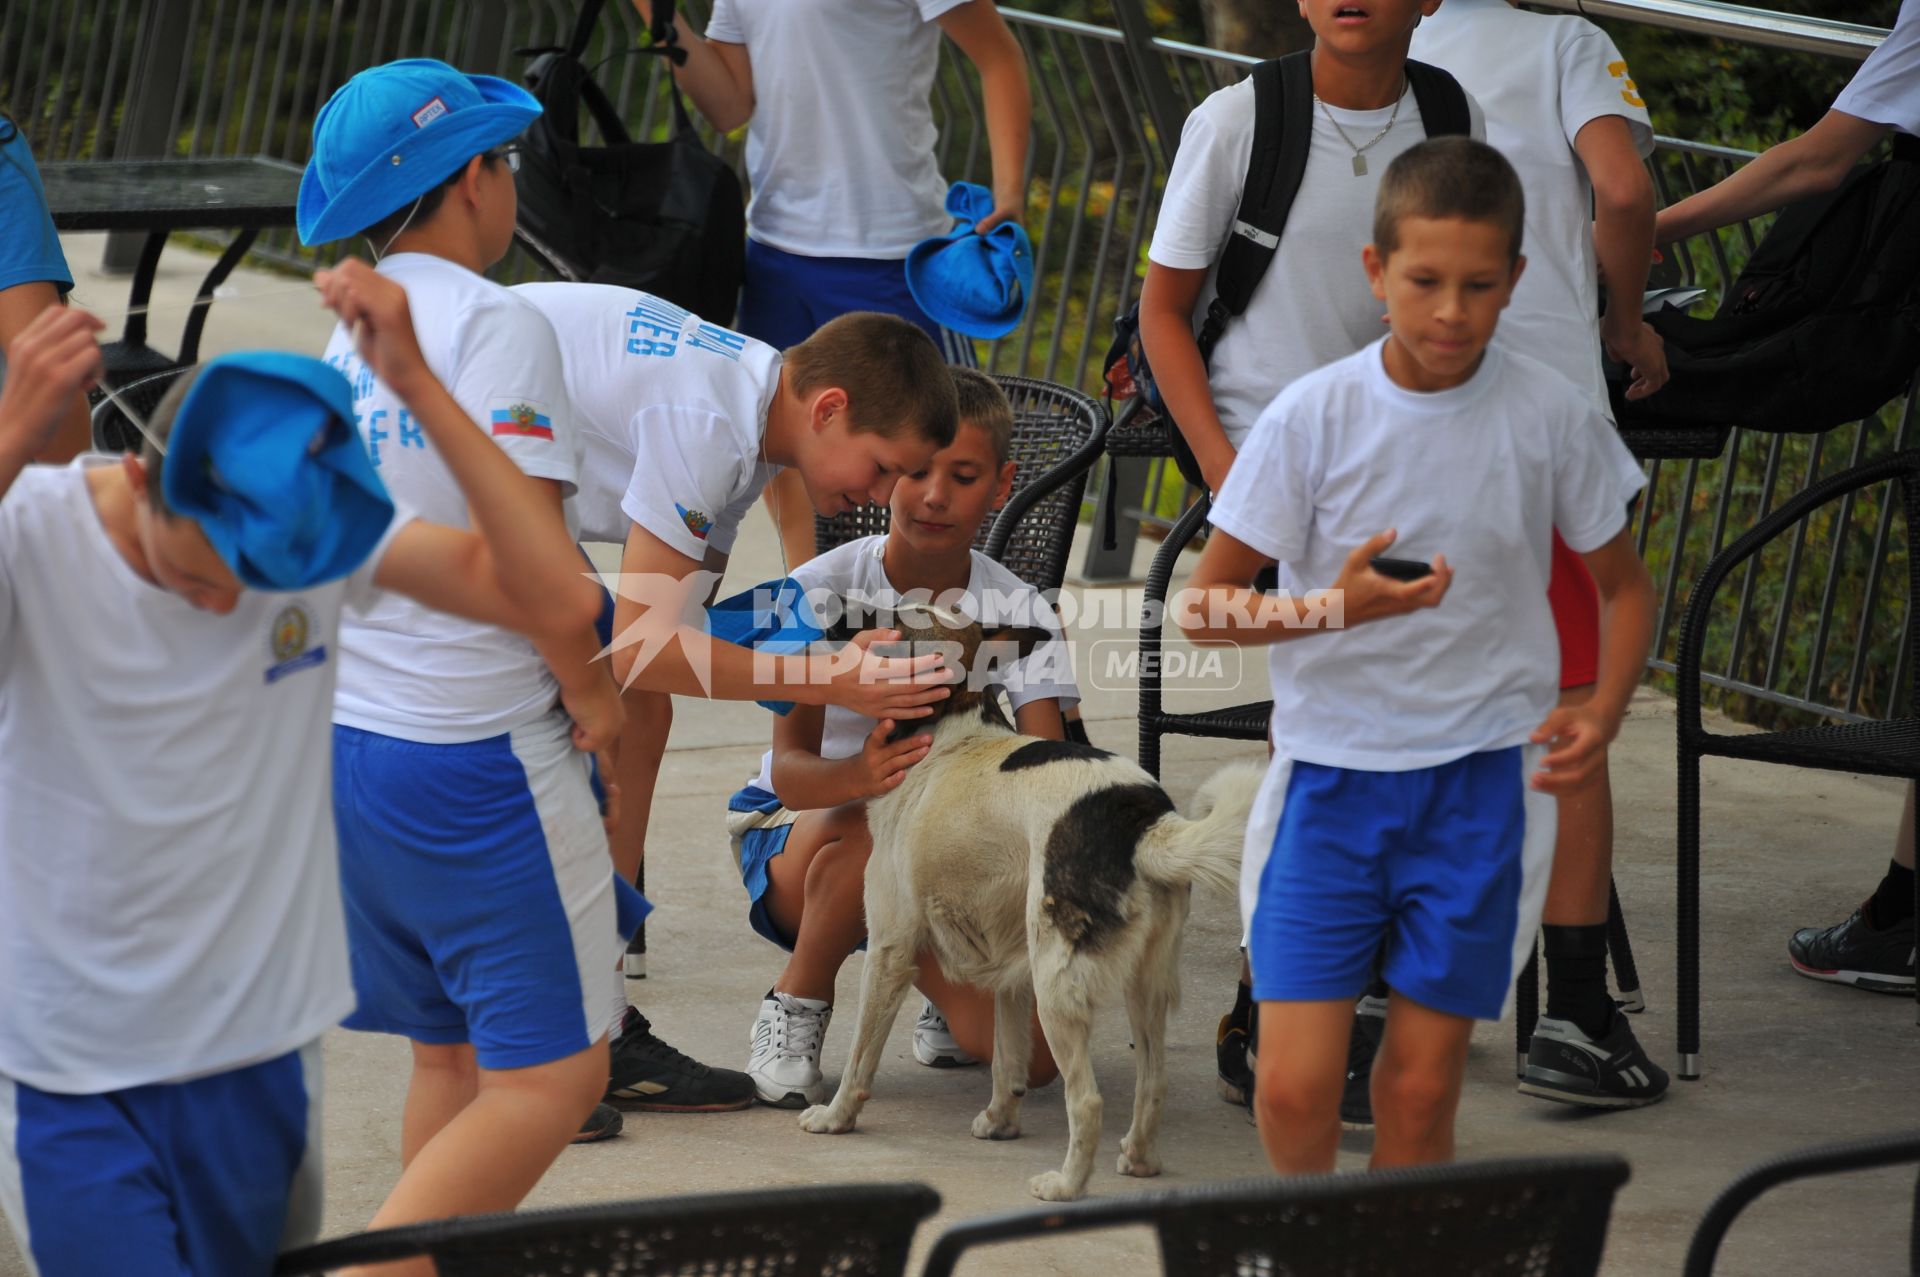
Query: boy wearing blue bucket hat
(433, 712)
(169, 882)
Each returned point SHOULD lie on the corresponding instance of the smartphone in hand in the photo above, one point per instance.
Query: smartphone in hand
(1400, 569)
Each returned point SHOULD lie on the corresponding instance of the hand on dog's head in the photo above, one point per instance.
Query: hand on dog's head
(973, 653)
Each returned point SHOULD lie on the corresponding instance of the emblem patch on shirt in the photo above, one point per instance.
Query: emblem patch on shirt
(520, 419)
(697, 523)
(287, 639)
(427, 114)
(1629, 91)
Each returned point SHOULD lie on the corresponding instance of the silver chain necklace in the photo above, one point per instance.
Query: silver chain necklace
(1359, 152)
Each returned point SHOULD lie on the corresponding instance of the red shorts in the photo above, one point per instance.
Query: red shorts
(1575, 601)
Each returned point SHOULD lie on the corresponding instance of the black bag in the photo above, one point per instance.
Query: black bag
(664, 217)
(1282, 135)
(1821, 328)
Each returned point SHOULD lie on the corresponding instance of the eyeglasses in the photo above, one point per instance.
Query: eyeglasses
(511, 154)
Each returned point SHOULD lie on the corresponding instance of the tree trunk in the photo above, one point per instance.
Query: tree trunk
(1262, 28)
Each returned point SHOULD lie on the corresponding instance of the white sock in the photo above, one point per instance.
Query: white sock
(619, 1017)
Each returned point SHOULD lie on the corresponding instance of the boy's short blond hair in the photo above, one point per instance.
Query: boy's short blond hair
(985, 406)
(895, 380)
(1449, 177)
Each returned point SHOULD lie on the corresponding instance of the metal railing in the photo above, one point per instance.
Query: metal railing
(1816, 632)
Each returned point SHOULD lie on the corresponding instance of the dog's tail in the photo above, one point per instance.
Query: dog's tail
(1205, 848)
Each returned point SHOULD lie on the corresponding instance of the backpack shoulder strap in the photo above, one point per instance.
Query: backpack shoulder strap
(1442, 102)
(1282, 134)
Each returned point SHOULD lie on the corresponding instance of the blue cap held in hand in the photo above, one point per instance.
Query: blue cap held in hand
(264, 455)
(394, 132)
(973, 284)
(772, 618)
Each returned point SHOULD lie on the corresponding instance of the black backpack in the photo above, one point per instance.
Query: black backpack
(1821, 328)
(1282, 135)
(664, 217)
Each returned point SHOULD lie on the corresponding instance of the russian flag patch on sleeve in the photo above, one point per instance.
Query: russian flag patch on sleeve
(520, 419)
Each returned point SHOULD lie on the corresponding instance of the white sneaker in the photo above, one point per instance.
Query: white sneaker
(784, 1060)
(933, 1043)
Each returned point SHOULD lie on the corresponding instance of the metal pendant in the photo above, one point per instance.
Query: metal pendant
(1359, 165)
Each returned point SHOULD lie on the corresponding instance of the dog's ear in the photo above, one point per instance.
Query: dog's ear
(1026, 639)
(845, 622)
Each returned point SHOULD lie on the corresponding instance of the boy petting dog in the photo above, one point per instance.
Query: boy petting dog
(1408, 811)
(799, 828)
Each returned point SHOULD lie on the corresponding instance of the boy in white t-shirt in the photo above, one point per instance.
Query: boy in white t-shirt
(840, 158)
(799, 828)
(1873, 947)
(1562, 108)
(171, 936)
(482, 910)
(1311, 306)
(683, 424)
(1408, 811)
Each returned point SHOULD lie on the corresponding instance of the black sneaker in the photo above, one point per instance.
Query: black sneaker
(1230, 1052)
(1565, 1064)
(1855, 952)
(1363, 1043)
(602, 1124)
(651, 1076)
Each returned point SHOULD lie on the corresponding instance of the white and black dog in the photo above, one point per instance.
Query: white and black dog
(1047, 872)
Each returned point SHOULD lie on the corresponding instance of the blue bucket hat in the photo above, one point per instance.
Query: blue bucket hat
(394, 132)
(264, 455)
(772, 617)
(974, 284)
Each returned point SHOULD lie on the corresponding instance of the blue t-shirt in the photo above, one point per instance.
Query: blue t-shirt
(29, 248)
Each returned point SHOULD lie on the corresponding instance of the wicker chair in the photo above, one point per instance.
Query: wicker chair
(1826, 1159)
(854, 1230)
(1890, 748)
(1532, 1217)
(1057, 436)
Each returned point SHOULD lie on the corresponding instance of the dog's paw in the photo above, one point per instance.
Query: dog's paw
(821, 1119)
(988, 1127)
(1138, 1164)
(1052, 1186)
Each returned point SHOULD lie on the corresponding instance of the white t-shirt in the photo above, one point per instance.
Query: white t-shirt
(405, 669)
(672, 412)
(1541, 78)
(1313, 305)
(1886, 88)
(1481, 473)
(994, 596)
(840, 146)
(169, 879)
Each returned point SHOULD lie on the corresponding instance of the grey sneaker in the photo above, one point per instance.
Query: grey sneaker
(784, 1057)
(933, 1043)
(1565, 1064)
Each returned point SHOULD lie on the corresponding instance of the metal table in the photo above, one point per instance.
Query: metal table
(158, 197)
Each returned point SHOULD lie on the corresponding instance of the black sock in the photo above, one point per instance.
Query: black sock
(1577, 977)
(1242, 1012)
(1075, 731)
(1893, 898)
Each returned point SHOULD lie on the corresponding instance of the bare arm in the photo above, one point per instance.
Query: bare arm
(1219, 608)
(1814, 162)
(659, 646)
(718, 77)
(1041, 718)
(1623, 241)
(19, 306)
(1578, 735)
(1167, 300)
(54, 358)
(982, 34)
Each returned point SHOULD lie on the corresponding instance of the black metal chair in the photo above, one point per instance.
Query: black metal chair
(853, 1230)
(1529, 1217)
(1057, 436)
(1889, 748)
(139, 387)
(1825, 1159)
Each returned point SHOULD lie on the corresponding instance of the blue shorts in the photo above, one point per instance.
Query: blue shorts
(481, 904)
(206, 1178)
(787, 297)
(758, 826)
(1445, 866)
